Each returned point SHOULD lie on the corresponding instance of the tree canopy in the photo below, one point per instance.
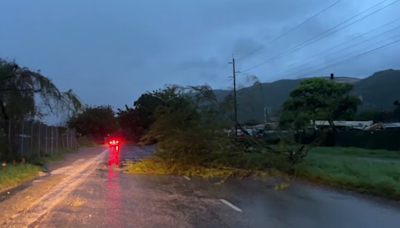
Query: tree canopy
(319, 99)
(136, 121)
(18, 87)
(94, 121)
(27, 94)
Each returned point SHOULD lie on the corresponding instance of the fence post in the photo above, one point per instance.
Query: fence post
(22, 138)
(72, 139)
(67, 139)
(9, 131)
(39, 138)
(52, 137)
(31, 150)
(46, 139)
(62, 140)
(57, 139)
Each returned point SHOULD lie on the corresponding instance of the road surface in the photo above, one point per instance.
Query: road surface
(94, 195)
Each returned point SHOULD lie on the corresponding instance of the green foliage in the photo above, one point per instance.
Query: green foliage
(130, 123)
(136, 121)
(96, 121)
(319, 99)
(191, 141)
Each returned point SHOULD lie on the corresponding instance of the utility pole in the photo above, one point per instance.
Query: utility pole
(266, 114)
(234, 96)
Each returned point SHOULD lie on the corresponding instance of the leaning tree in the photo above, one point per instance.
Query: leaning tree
(25, 94)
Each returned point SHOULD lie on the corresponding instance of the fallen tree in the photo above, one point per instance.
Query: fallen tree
(189, 127)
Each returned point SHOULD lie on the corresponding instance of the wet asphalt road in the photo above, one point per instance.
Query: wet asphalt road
(109, 198)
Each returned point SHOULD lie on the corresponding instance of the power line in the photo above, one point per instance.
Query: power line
(291, 30)
(385, 46)
(382, 41)
(352, 46)
(359, 36)
(306, 43)
(394, 43)
(349, 54)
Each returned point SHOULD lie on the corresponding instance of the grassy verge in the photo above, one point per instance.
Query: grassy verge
(341, 167)
(356, 152)
(55, 157)
(15, 175)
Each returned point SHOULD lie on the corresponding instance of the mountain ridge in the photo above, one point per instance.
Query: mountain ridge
(378, 91)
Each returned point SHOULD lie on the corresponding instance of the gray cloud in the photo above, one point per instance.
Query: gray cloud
(112, 51)
(208, 63)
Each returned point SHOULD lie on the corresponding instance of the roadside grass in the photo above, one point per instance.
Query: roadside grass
(15, 175)
(54, 157)
(20, 173)
(342, 169)
(356, 152)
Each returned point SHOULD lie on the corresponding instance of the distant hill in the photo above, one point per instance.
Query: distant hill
(379, 91)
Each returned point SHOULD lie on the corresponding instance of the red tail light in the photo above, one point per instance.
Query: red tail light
(113, 142)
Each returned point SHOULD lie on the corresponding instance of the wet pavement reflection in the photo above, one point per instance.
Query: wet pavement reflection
(116, 199)
(114, 205)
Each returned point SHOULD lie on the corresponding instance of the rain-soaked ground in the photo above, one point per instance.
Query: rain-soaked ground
(99, 196)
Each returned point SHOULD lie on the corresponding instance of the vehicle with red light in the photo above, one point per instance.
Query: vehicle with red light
(114, 142)
(114, 146)
(113, 158)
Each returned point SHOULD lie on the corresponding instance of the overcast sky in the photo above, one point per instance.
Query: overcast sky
(110, 52)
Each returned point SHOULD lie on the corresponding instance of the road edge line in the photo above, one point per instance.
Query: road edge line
(231, 205)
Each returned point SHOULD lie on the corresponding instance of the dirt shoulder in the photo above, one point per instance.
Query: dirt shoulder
(17, 199)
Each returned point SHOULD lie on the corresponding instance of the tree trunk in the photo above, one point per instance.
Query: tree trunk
(8, 128)
(332, 125)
